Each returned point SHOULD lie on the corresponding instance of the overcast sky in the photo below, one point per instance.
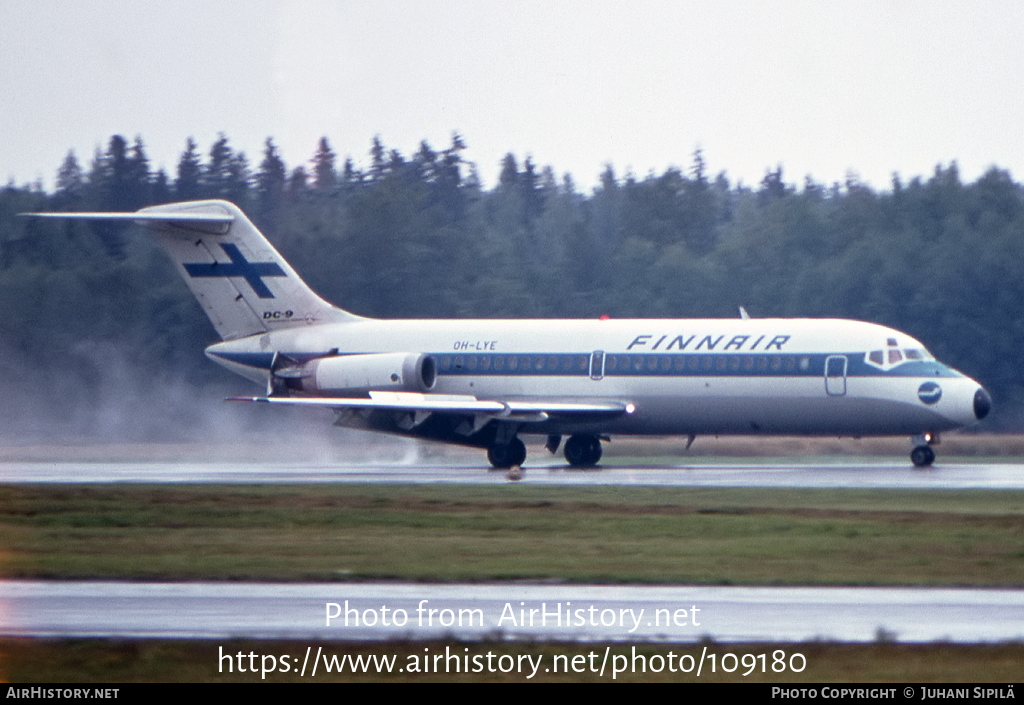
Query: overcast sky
(821, 88)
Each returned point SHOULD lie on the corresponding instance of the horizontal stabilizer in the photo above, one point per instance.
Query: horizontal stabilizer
(203, 222)
(167, 217)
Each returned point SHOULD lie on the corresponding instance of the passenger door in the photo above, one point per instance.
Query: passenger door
(835, 375)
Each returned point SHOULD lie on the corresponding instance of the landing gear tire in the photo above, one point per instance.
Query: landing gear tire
(922, 456)
(507, 455)
(583, 451)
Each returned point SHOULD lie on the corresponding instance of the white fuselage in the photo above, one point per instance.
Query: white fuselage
(697, 376)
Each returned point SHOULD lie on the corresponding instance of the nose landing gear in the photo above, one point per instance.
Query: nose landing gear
(923, 456)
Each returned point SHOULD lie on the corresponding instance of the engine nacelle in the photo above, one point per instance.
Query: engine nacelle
(357, 374)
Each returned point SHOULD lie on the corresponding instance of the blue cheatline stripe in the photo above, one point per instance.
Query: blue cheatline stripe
(636, 365)
(675, 365)
(252, 272)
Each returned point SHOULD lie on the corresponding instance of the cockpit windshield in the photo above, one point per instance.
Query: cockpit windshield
(894, 356)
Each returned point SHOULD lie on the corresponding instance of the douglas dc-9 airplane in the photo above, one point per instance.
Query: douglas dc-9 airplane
(483, 383)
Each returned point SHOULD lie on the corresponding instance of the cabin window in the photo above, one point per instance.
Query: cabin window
(459, 362)
(679, 363)
(748, 363)
(471, 362)
(485, 362)
(499, 363)
(776, 364)
(446, 363)
(583, 363)
(790, 364)
(513, 363)
(693, 363)
(666, 363)
(762, 363)
(913, 354)
(895, 356)
(877, 357)
(734, 364)
(805, 364)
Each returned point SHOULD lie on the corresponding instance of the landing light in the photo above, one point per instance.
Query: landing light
(630, 408)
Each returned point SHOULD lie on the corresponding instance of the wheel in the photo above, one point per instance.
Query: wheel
(506, 455)
(922, 456)
(583, 451)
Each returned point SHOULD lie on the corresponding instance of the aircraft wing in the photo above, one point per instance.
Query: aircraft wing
(511, 410)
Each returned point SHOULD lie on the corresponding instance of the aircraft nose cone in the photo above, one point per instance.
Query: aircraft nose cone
(982, 403)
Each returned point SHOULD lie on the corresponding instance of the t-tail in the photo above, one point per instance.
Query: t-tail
(240, 280)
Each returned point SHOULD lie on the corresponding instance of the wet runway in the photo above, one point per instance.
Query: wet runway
(677, 614)
(376, 611)
(848, 474)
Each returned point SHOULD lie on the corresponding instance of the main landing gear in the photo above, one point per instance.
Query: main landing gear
(504, 456)
(923, 456)
(583, 450)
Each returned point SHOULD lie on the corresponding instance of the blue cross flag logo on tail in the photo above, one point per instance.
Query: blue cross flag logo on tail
(252, 272)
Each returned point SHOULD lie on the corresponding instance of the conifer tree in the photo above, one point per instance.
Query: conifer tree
(324, 176)
(70, 182)
(270, 184)
(187, 186)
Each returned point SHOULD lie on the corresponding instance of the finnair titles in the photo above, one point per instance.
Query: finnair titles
(709, 343)
(488, 383)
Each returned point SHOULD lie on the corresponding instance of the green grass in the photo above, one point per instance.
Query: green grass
(511, 532)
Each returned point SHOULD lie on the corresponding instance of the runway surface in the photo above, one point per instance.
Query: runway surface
(223, 610)
(510, 611)
(855, 474)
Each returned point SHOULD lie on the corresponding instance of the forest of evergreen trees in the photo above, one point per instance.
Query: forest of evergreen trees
(419, 236)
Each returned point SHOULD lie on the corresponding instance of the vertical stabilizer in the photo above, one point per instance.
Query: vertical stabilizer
(240, 280)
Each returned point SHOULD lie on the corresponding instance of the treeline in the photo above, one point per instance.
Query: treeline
(419, 236)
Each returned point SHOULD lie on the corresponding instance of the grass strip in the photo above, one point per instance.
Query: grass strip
(513, 532)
